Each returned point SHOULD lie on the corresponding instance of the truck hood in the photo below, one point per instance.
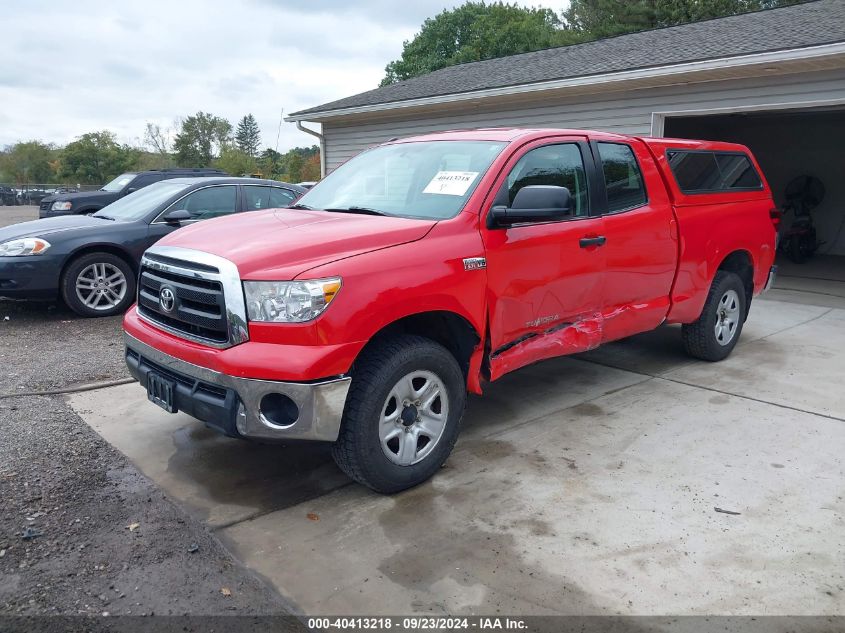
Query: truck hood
(283, 243)
(51, 226)
(80, 196)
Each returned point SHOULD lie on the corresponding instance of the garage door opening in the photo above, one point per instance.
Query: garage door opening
(788, 144)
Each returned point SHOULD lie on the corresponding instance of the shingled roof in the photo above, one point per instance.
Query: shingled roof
(798, 26)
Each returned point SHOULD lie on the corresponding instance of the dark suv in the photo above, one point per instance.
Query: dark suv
(91, 201)
(8, 196)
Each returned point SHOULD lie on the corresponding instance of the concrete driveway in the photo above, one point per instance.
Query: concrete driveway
(584, 485)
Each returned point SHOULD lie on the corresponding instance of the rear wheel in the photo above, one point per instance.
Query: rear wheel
(98, 284)
(402, 414)
(716, 332)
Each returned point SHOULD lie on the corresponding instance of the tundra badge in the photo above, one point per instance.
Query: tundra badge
(474, 263)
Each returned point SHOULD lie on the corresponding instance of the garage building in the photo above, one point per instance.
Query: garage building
(773, 80)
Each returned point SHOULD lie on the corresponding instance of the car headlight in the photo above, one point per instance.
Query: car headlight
(25, 246)
(289, 301)
(61, 206)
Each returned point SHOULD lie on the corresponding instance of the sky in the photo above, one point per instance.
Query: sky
(70, 67)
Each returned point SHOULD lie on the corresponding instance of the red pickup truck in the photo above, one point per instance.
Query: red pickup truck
(427, 266)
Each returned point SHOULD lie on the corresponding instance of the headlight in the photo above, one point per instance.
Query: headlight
(289, 301)
(61, 206)
(25, 246)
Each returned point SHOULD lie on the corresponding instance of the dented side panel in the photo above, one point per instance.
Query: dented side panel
(583, 334)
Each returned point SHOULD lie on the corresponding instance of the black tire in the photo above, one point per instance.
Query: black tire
(700, 338)
(82, 263)
(358, 450)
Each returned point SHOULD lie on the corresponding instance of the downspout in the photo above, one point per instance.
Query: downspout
(322, 138)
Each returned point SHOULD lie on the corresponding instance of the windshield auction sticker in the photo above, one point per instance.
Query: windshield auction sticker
(451, 183)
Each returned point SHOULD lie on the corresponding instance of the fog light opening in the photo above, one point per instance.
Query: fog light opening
(278, 410)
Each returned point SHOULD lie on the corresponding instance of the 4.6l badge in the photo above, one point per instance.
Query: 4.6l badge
(474, 263)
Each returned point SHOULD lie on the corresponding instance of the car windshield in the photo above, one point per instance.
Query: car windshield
(139, 203)
(118, 183)
(425, 179)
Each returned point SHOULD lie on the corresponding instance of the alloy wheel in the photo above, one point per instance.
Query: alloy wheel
(101, 286)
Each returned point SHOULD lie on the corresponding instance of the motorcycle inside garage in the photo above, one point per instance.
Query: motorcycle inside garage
(802, 153)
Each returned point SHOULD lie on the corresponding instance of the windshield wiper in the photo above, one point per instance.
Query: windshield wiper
(303, 207)
(354, 209)
(103, 217)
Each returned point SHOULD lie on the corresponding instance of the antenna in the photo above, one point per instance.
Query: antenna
(281, 116)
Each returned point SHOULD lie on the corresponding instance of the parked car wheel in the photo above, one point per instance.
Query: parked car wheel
(402, 415)
(716, 332)
(98, 284)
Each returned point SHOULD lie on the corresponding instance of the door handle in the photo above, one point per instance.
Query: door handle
(586, 242)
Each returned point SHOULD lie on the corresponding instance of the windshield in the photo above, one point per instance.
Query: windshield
(118, 183)
(431, 179)
(139, 203)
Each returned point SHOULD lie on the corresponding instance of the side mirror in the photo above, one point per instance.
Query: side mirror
(535, 203)
(130, 190)
(177, 216)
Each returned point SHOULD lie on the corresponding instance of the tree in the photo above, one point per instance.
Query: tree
(155, 151)
(311, 168)
(96, 158)
(235, 162)
(295, 163)
(248, 137)
(605, 18)
(200, 139)
(29, 162)
(157, 139)
(270, 163)
(473, 32)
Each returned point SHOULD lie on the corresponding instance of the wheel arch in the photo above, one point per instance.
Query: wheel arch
(87, 249)
(740, 263)
(450, 329)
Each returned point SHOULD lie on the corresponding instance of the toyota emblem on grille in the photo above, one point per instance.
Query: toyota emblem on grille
(166, 299)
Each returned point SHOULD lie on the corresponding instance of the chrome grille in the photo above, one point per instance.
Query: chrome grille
(193, 295)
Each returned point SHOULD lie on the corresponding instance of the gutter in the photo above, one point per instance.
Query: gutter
(322, 140)
(754, 59)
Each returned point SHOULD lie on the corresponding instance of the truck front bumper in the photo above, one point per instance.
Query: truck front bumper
(244, 407)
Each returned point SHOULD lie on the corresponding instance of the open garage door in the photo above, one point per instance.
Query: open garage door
(788, 144)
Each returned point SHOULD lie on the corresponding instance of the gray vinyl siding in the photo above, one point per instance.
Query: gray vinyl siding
(628, 112)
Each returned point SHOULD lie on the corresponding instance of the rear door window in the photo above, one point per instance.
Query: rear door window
(622, 177)
(256, 197)
(708, 172)
(210, 202)
(281, 197)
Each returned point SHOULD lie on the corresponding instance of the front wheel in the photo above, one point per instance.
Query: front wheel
(714, 335)
(402, 415)
(98, 284)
